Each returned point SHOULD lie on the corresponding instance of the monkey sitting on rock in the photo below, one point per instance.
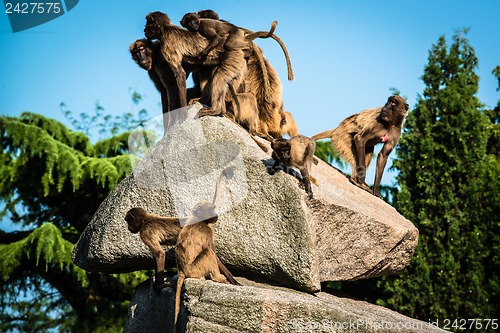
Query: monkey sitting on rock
(195, 248)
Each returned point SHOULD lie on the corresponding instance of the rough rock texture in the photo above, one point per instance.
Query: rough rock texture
(266, 224)
(219, 308)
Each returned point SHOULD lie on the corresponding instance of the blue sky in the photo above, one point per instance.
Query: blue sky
(345, 54)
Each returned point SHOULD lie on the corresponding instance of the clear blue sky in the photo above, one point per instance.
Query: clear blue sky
(345, 54)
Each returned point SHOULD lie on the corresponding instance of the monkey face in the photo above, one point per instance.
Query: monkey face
(191, 22)
(396, 107)
(142, 56)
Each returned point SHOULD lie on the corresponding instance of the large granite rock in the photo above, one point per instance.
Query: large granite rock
(266, 225)
(211, 307)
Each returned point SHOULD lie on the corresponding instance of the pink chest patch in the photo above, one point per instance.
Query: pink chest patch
(384, 137)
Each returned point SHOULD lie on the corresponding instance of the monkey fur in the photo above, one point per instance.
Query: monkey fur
(295, 152)
(354, 139)
(195, 249)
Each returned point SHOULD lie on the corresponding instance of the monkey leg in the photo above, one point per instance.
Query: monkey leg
(307, 181)
(159, 256)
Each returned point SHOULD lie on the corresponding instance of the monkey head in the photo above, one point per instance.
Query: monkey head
(394, 111)
(191, 21)
(205, 211)
(280, 144)
(155, 22)
(281, 149)
(141, 51)
(134, 220)
(208, 13)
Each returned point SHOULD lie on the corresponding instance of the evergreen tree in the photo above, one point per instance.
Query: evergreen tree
(52, 180)
(449, 188)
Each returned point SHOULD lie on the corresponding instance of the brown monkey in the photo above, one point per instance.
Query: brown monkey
(180, 46)
(195, 249)
(154, 231)
(288, 125)
(230, 37)
(295, 152)
(354, 139)
(147, 54)
(219, 33)
(244, 111)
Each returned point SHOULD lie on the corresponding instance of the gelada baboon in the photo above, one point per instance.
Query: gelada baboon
(354, 139)
(147, 54)
(195, 249)
(180, 46)
(155, 231)
(295, 152)
(263, 79)
(243, 107)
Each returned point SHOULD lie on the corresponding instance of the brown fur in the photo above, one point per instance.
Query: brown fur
(263, 82)
(296, 152)
(269, 101)
(354, 139)
(195, 249)
(180, 46)
(154, 231)
(288, 125)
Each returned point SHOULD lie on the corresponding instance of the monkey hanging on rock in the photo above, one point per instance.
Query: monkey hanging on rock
(354, 139)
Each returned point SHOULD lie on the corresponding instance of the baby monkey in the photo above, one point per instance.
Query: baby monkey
(295, 152)
(195, 249)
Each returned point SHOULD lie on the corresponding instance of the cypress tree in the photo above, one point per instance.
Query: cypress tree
(449, 190)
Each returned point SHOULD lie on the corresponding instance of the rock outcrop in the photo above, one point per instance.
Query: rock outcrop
(211, 307)
(266, 224)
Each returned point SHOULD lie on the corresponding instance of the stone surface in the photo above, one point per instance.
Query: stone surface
(219, 308)
(266, 225)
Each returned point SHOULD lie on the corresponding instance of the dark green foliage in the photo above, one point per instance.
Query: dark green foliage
(450, 189)
(52, 180)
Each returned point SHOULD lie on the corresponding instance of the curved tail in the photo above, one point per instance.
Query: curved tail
(262, 34)
(228, 172)
(291, 76)
(323, 135)
(270, 34)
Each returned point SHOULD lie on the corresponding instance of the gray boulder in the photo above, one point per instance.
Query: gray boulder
(266, 225)
(211, 307)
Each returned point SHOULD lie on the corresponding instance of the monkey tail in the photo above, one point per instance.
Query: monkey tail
(291, 76)
(180, 282)
(262, 34)
(263, 66)
(228, 172)
(323, 135)
(223, 269)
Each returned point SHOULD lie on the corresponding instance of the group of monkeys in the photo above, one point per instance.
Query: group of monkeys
(231, 74)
